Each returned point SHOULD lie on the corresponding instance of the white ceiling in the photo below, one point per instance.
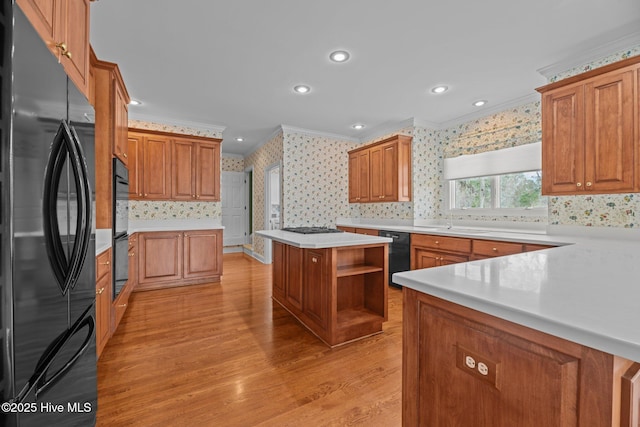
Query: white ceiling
(234, 63)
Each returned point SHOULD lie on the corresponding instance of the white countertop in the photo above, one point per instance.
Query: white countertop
(324, 240)
(587, 292)
(141, 225)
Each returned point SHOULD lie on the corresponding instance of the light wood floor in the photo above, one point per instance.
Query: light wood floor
(225, 355)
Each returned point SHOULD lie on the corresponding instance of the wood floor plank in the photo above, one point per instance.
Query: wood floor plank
(225, 354)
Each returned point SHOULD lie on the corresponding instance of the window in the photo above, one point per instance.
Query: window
(521, 190)
(502, 182)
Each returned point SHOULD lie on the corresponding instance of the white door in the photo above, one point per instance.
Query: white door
(233, 208)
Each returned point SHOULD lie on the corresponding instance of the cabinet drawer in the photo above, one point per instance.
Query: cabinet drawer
(453, 244)
(492, 248)
(367, 231)
(103, 264)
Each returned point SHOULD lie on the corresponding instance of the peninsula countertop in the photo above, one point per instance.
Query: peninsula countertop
(324, 240)
(587, 292)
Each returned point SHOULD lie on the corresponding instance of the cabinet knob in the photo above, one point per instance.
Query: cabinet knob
(193, 195)
(197, 196)
(494, 249)
(100, 291)
(122, 305)
(588, 184)
(62, 46)
(146, 194)
(140, 195)
(314, 259)
(105, 263)
(437, 242)
(132, 254)
(125, 155)
(67, 54)
(579, 184)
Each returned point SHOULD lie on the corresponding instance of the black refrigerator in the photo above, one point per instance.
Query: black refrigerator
(47, 229)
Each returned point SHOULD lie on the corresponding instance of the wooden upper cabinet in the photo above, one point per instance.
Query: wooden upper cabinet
(64, 27)
(381, 172)
(590, 131)
(110, 103)
(174, 167)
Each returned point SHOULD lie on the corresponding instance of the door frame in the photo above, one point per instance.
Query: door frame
(267, 204)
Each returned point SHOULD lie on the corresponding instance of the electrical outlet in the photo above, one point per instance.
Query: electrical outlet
(478, 366)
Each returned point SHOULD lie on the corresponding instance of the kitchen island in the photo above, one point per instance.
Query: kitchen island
(335, 284)
(540, 338)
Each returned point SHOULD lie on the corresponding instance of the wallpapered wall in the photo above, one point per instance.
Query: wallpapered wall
(315, 178)
(159, 210)
(263, 157)
(232, 163)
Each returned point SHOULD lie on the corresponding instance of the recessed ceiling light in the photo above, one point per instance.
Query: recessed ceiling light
(479, 103)
(339, 56)
(302, 89)
(239, 139)
(134, 102)
(358, 126)
(439, 89)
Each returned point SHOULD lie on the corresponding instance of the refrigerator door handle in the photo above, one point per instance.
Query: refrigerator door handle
(44, 383)
(66, 272)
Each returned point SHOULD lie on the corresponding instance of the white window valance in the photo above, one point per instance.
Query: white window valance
(507, 160)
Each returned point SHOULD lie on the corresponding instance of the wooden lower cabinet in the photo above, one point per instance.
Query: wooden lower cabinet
(339, 294)
(103, 300)
(424, 258)
(466, 368)
(177, 258)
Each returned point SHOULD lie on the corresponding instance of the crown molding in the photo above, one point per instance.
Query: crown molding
(625, 37)
(484, 112)
(173, 122)
(386, 129)
(291, 129)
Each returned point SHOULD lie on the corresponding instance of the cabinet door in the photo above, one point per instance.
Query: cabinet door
(76, 30)
(202, 253)
(157, 168)
(207, 171)
(376, 171)
(103, 300)
(609, 133)
(423, 258)
(293, 290)
(160, 256)
(447, 259)
(315, 293)
(359, 184)
(563, 140)
(120, 118)
(389, 172)
(136, 161)
(46, 17)
(182, 170)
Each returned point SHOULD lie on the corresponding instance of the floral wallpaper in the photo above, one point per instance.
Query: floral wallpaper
(173, 210)
(185, 130)
(427, 168)
(232, 163)
(263, 157)
(163, 210)
(315, 180)
(605, 210)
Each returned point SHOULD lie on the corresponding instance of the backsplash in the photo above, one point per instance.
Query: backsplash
(161, 210)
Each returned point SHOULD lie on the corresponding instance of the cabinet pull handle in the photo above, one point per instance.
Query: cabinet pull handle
(100, 291)
(122, 305)
(62, 46)
(579, 184)
(588, 184)
(105, 263)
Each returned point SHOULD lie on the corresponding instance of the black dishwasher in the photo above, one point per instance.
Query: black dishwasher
(399, 252)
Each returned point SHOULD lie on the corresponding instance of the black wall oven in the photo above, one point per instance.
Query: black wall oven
(120, 226)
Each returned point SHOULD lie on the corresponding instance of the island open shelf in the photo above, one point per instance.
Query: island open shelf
(338, 293)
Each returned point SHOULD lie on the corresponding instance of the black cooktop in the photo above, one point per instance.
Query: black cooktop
(312, 230)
